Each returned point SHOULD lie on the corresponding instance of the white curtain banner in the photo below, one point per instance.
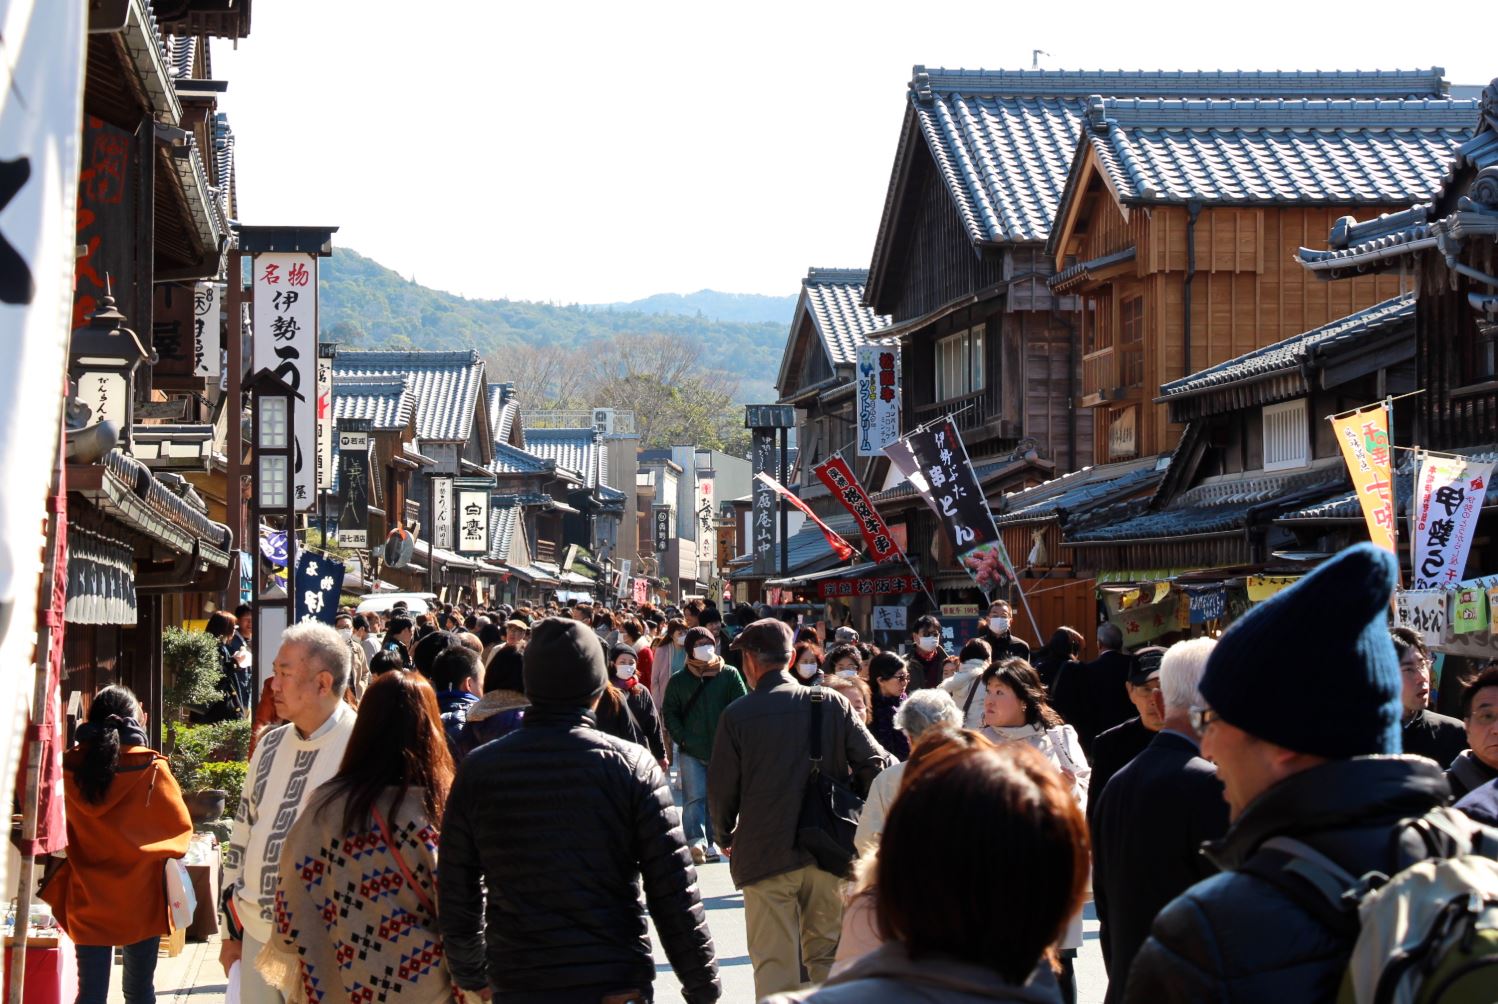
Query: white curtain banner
(285, 342)
(208, 328)
(878, 398)
(1449, 493)
(41, 76)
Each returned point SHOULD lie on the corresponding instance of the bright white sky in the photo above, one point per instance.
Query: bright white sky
(592, 152)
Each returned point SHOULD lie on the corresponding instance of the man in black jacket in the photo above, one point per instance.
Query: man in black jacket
(1094, 696)
(1114, 748)
(761, 759)
(1476, 765)
(560, 823)
(1424, 732)
(1303, 717)
(999, 636)
(1149, 823)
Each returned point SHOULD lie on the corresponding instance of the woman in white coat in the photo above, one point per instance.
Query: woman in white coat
(966, 685)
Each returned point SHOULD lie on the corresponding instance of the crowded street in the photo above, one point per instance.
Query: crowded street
(778, 504)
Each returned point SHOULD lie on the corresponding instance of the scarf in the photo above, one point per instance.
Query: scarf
(131, 734)
(707, 669)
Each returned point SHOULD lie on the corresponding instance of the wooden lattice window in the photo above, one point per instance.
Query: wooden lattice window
(1131, 341)
(1287, 440)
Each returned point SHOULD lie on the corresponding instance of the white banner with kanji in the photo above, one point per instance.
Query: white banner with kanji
(285, 342)
(1449, 493)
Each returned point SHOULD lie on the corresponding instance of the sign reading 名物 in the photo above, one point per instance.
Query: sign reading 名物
(661, 517)
(845, 487)
(1364, 438)
(1449, 492)
(1422, 611)
(442, 511)
(285, 342)
(762, 504)
(471, 512)
(319, 583)
(878, 398)
(207, 328)
(873, 585)
(353, 483)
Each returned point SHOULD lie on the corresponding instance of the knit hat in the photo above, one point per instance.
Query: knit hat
(1312, 669)
(564, 664)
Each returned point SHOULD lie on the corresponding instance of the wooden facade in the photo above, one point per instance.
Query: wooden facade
(1236, 266)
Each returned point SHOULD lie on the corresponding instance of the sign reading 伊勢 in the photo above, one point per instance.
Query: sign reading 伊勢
(285, 342)
(1449, 492)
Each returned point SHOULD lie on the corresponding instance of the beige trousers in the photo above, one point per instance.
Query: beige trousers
(792, 919)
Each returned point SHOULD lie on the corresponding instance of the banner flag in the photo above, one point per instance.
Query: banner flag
(319, 584)
(941, 472)
(1469, 611)
(841, 481)
(844, 549)
(1364, 438)
(1449, 492)
(878, 401)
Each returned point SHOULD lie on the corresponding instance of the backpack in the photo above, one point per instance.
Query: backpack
(1427, 934)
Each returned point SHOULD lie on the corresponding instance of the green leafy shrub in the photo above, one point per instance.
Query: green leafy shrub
(197, 746)
(192, 672)
(227, 775)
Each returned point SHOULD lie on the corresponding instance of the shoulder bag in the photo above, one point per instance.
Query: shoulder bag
(829, 808)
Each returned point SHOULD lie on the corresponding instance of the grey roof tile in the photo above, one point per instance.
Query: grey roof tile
(834, 299)
(1379, 319)
(1345, 506)
(1275, 151)
(504, 514)
(503, 409)
(1078, 492)
(513, 460)
(1004, 140)
(446, 385)
(386, 401)
(575, 449)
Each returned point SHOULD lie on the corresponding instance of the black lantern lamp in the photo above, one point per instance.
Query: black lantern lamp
(102, 359)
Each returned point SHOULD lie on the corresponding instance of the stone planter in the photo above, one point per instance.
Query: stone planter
(207, 806)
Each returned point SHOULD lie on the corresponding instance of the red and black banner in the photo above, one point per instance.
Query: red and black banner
(840, 480)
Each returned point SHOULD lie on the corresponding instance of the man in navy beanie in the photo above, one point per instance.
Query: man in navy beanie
(1302, 721)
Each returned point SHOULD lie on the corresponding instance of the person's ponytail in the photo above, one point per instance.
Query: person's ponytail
(114, 709)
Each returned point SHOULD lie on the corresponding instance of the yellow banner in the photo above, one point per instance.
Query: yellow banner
(1364, 437)
(1261, 587)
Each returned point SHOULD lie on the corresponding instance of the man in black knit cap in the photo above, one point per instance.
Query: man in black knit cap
(562, 824)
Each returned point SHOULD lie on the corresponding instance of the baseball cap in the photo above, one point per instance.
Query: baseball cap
(766, 635)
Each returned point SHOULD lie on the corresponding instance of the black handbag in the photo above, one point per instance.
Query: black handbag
(829, 808)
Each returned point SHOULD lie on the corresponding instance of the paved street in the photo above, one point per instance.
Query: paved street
(726, 918)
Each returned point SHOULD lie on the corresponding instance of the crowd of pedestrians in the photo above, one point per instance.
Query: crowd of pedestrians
(483, 803)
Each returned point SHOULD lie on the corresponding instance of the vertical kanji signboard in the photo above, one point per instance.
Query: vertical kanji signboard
(285, 301)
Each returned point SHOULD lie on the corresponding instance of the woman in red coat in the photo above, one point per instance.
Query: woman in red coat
(126, 818)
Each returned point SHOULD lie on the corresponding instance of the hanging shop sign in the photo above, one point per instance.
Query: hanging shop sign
(1422, 611)
(472, 515)
(207, 328)
(1261, 587)
(878, 398)
(762, 503)
(285, 342)
(705, 503)
(845, 487)
(1469, 611)
(1207, 605)
(1449, 492)
(319, 583)
(324, 423)
(442, 512)
(661, 515)
(1364, 438)
(881, 585)
(891, 618)
(353, 483)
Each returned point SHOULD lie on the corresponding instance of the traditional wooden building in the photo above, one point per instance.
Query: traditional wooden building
(1185, 215)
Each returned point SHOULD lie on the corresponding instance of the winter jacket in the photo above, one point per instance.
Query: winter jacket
(1239, 937)
(497, 713)
(761, 760)
(694, 704)
(561, 822)
(1467, 772)
(453, 706)
(876, 807)
(1006, 646)
(966, 688)
(1481, 803)
(1437, 737)
(883, 725)
(635, 721)
(1112, 751)
(110, 889)
(925, 667)
(1093, 697)
(888, 975)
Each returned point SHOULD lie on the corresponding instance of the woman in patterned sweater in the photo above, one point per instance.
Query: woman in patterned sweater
(355, 898)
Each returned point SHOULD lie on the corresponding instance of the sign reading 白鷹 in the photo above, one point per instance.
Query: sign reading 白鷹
(285, 342)
(878, 398)
(1449, 492)
(353, 483)
(472, 514)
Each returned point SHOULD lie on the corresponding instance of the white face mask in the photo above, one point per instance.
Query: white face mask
(847, 672)
(677, 639)
(998, 625)
(702, 653)
(345, 633)
(625, 671)
(927, 642)
(806, 670)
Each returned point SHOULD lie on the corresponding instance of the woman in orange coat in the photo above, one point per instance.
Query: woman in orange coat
(126, 818)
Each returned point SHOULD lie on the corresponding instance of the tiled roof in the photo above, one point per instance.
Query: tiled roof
(513, 460)
(1079, 491)
(1004, 140)
(503, 410)
(1289, 354)
(385, 400)
(808, 546)
(1216, 507)
(575, 449)
(834, 299)
(446, 385)
(1275, 151)
(504, 515)
(1346, 505)
(223, 155)
(1088, 269)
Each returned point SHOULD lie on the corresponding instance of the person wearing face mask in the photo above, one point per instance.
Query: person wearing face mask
(808, 663)
(668, 659)
(634, 635)
(927, 654)
(626, 709)
(694, 702)
(1004, 644)
(358, 680)
(843, 660)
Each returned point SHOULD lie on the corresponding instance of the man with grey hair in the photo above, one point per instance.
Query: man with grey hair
(290, 762)
(1152, 818)
(761, 758)
(1094, 696)
(923, 711)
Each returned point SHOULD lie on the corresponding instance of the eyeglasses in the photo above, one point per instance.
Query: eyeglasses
(1202, 719)
(900, 676)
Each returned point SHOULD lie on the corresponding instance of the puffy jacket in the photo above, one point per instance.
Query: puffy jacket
(1238, 936)
(635, 720)
(761, 761)
(454, 706)
(497, 713)
(692, 717)
(888, 975)
(560, 822)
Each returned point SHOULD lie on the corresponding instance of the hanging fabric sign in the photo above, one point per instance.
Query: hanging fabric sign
(1364, 438)
(442, 511)
(841, 547)
(319, 583)
(207, 328)
(844, 485)
(1209, 605)
(878, 398)
(353, 483)
(1422, 611)
(1261, 587)
(1469, 611)
(285, 342)
(1449, 492)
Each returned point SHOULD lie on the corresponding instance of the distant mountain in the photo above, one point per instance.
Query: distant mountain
(712, 304)
(365, 305)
